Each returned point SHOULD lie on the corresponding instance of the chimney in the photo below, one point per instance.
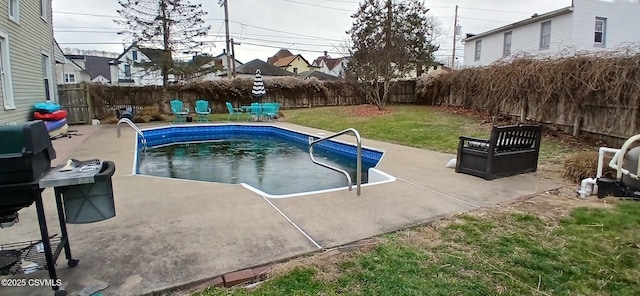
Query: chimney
(224, 51)
(325, 53)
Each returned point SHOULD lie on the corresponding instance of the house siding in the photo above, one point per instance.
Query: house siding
(524, 40)
(300, 64)
(623, 21)
(570, 32)
(28, 39)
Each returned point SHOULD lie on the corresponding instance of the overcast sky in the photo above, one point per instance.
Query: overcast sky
(308, 27)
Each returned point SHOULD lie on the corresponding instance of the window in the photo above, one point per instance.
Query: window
(69, 78)
(46, 74)
(127, 71)
(134, 55)
(6, 87)
(295, 70)
(14, 10)
(600, 31)
(476, 56)
(43, 9)
(545, 35)
(506, 50)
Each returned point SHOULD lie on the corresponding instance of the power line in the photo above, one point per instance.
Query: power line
(486, 20)
(495, 10)
(320, 6)
(87, 14)
(279, 47)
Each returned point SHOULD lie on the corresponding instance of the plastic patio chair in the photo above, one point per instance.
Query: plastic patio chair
(179, 111)
(256, 110)
(202, 110)
(270, 110)
(233, 111)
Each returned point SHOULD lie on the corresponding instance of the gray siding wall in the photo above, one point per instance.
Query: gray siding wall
(28, 39)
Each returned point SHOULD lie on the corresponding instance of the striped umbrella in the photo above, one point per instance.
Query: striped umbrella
(258, 90)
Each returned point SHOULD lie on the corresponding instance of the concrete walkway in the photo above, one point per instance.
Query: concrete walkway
(171, 232)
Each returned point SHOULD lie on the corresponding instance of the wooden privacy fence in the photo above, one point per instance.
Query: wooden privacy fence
(103, 101)
(74, 98)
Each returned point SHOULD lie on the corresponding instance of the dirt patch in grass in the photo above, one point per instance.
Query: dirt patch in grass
(367, 111)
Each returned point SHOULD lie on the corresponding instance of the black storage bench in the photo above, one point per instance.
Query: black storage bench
(510, 150)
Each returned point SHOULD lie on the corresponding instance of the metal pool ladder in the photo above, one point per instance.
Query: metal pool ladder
(358, 157)
(135, 128)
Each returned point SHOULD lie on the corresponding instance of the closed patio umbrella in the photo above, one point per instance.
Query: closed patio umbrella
(258, 90)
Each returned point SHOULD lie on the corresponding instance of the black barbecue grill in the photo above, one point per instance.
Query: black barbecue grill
(25, 157)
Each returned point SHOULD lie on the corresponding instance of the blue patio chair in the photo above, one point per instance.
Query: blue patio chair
(202, 110)
(256, 110)
(179, 111)
(270, 110)
(233, 111)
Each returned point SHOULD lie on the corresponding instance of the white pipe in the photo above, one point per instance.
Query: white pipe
(601, 153)
(620, 161)
(586, 187)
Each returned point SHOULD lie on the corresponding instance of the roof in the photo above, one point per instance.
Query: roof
(224, 54)
(58, 55)
(280, 54)
(534, 19)
(330, 62)
(265, 68)
(97, 66)
(125, 51)
(286, 61)
(319, 75)
(155, 55)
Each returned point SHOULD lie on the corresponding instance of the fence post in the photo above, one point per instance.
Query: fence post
(87, 97)
(523, 109)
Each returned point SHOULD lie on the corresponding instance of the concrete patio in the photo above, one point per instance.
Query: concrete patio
(170, 232)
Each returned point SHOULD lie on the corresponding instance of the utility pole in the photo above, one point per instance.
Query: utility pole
(226, 26)
(455, 34)
(233, 56)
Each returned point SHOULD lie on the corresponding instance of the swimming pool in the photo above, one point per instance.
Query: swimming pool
(269, 160)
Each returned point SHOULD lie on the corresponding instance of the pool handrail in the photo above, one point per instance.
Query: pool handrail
(135, 128)
(358, 157)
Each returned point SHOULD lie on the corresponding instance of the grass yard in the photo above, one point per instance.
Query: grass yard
(551, 244)
(508, 251)
(410, 125)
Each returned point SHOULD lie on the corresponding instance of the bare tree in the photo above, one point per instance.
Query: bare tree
(172, 25)
(389, 40)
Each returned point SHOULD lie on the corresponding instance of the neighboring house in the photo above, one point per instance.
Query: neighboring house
(280, 54)
(71, 72)
(266, 70)
(293, 64)
(586, 25)
(332, 66)
(219, 73)
(319, 75)
(28, 54)
(138, 66)
(287, 61)
(91, 69)
(199, 68)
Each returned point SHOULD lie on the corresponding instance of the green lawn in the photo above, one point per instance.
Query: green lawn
(410, 125)
(587, 251)
(591, 252)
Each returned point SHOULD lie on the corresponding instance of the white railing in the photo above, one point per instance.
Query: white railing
(358, 157)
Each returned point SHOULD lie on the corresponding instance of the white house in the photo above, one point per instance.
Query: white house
(126, 69)
(586, 25)
(219, 73)
(332, 66)
(71, 72)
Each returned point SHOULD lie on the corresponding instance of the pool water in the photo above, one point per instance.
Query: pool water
(272, 164)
